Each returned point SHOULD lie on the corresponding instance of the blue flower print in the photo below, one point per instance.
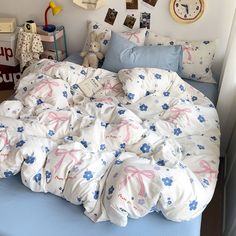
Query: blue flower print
(141, 77)
(25, 89)
(97, 77)
(181, 87)
(169, 202)
(165, 107)
(201, 147)
(51, 133)
(122, 145)
(118, 162)
(167, 181)
(102, 147)
(37, 178)
(75, 86)
(84, 143)
(105, 42)
(153, 128)
(96, 195)
(99, 105)
(147, 93)
(2, 125)
(65, 94)
(161, 163)
(206, 42)
(214, 138)
(8, 174)
(143, 107)
(88, 175)
(30, 159)
(205, 182)
(130, 96)
(121, 112)
(194, 98)
(193, 205)
(201, 118)
(39, 101)
(83, 72)
(166, 94)
(104, 124)
(20, 143)
(157, 76)
(207, 70)
(117, 153)
(20, 129)
(47, 150)
(95, 26)
(145, 148)
(68, 138)
(177, 131)
(111, 190)
(193, 76)
(48, 174)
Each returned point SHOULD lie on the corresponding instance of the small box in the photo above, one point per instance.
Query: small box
(7, 49)
(8, 76)
(7, 25)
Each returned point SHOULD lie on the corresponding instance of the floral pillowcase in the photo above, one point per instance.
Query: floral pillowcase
(137, 35)
(197, 56)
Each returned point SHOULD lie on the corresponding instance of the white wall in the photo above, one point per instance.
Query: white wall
(215, 23)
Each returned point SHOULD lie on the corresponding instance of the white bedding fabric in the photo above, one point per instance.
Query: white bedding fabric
(146, 142)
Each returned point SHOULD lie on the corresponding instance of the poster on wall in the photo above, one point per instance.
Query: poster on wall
(130, 21)
(151, 2)
(111, 16)
(145, 20)
(131, 4)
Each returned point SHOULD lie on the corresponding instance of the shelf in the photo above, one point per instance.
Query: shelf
(49, 37)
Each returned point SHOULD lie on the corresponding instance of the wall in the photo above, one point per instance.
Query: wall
(215, 23)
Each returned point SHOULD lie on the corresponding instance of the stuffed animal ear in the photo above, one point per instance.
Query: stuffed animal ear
(100, 36)
(93, 36)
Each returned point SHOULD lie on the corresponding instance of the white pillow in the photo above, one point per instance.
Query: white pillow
(197, 56)
(137, 35)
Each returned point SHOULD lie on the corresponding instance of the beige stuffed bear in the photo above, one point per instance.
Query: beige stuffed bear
(91, 57)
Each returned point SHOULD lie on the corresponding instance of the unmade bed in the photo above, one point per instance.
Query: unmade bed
(24, 212)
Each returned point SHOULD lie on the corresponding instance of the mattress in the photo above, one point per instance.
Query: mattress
(24, 212)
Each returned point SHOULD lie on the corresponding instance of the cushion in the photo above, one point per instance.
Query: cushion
(137, 35)
(123, 54)
(197, 56)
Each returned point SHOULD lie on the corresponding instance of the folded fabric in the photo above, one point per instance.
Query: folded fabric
(123, 54)
(137, 35)
(197, 56)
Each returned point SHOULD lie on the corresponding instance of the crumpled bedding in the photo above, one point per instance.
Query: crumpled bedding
(147, 141)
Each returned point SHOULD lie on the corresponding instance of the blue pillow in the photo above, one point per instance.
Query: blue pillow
(123, 54)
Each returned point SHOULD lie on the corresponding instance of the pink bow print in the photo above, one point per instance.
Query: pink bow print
(114, 88)
(43, 84)
(176, 112)
(134, 172)
(127, 125)
(63, 153)
(133, 34)
(188, 50)
(3, 136)
(105, 100)
(57, 120)
(206, 168)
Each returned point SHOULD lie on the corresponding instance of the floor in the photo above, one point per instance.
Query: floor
(212, 216)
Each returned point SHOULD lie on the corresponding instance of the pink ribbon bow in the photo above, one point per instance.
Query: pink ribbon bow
(3, 136)
(63, 153)
(126, 124)
(134, 172)
(176, 112)
(206, 168)
(188, 50)
(133, 34)
(43, 84)
(105, 100)
(57, 120)
(114, 88)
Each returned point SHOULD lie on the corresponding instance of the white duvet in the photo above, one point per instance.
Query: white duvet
(147, 141)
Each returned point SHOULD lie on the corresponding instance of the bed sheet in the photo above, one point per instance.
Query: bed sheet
(23, 212)
(208, 89)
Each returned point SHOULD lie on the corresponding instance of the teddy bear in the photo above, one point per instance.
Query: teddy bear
(93, 55)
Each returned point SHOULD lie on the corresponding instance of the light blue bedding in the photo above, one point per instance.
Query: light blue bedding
(25, 213)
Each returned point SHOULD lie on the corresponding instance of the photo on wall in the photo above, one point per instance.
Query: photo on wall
(151, 2)
(130, 21)
(145, 20)
(111, 16)
(131, 4)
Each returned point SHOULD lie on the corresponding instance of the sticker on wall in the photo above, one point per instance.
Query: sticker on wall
(130, 21)
(131, 4)
(111, 16)
(151, 2)
(145, 20)
(90, 4)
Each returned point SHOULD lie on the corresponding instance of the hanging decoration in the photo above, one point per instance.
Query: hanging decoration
(90, 4)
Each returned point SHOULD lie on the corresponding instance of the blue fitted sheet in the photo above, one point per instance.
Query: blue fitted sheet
(25, 213)
(209, 90)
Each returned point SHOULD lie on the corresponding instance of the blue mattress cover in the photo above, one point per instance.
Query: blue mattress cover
(25, 213)
(209, 90)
